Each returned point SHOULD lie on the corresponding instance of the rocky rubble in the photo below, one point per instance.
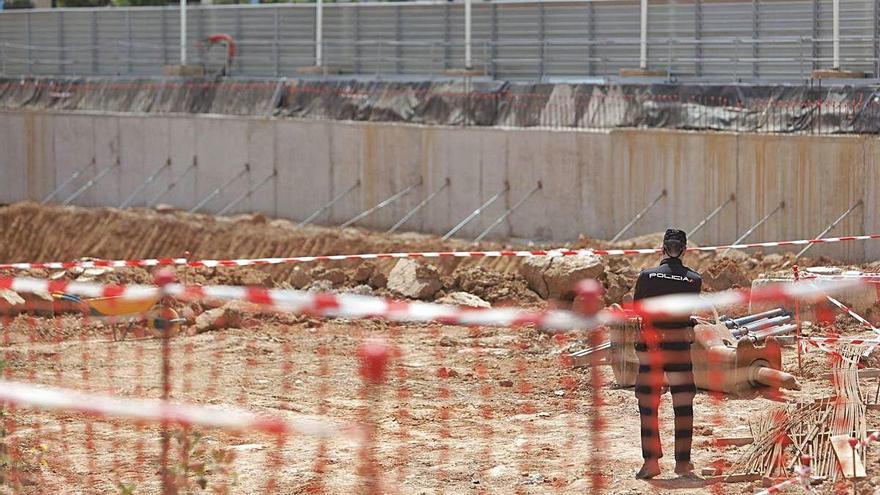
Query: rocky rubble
(414, 280)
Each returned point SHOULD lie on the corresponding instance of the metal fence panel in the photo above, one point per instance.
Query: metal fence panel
(511, 39)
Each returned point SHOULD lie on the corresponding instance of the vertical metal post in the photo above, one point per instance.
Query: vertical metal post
(541, 41)
(319, 33)
(29, 37)
(814, 43)
(756, 27)
(468, 62)
(94, 42)
(62, 50)
(643, 35)
(493, 39)
(398, 36)
(591, 49)
(835, 34)
(830, 227)
(164, 30)
(129, 53)
(447, 37)
(357, 39)
(276, 39)
(876, 36)
(698, 36)
(182, 32)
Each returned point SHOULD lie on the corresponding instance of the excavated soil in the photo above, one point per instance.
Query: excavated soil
(464, 410)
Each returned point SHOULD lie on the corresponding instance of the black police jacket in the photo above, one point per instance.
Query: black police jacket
(671, 277)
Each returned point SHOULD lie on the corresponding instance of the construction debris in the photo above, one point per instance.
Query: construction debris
(784, 434)
(413, 280)
(555, 278)
(464, 299)
(744, 353)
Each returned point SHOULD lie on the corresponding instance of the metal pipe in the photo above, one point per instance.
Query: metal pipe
(706, 220)
(830, 227)
(476, 212)
(394, 197)
(68, 181)
(418, 207)
(755, 317)
(754, 227)
(172, 184)
(182, 32)
(468, 61)
(835, 34)
(216, 191)
(760, 325)
(508, 212)
(247, 193)
(638, 216)
(643, 35)
(144, 184)
(88, 185)
(327, 206)
(319, 33)
(772, 331)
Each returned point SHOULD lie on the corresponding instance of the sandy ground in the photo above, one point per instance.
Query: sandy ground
(516, 419)
(464, 410)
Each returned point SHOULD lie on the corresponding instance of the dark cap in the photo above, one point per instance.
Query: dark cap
(675, 235)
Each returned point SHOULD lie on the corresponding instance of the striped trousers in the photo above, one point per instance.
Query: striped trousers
(666, 363)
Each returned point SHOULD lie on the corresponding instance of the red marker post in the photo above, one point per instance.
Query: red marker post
(373, 357)
(589, 300)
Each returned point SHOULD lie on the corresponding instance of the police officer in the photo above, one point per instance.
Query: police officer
(664, 348)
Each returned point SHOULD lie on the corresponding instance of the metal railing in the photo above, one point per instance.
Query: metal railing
(513, 40)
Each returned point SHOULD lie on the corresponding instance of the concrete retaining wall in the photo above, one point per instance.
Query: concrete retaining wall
(594, 182)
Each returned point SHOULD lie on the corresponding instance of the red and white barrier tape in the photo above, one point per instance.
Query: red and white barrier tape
(358, 306)
(322, 304)
(57, 265)
(154, 410)
(802, 477)
(843, 340)
(852, 313)
(873, 437)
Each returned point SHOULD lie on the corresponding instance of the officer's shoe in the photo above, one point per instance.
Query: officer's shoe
(684, 468)
(650, 468)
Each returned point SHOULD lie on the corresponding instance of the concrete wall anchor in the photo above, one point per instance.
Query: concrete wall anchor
(507, 213)
(382, 204)
(330, 204)
(418, 207)
(68, 181)
(477, 212)
(830, 227)
(91, 183)
(218, 190)
(638, 216)
(143, 185)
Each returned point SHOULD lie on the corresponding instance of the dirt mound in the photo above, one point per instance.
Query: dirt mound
(725, 274)
(493, 286)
